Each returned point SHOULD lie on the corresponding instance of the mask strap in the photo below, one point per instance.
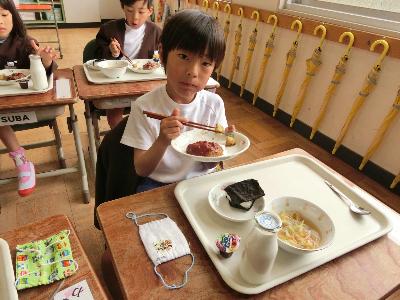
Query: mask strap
(131, 215)
(185, 277)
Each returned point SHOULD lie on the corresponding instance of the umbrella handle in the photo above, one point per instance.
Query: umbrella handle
(351, 41)
(270, 17)
(257, 16)
(240, 14)
(323, 29)
(205, 4)
(216, 8)
(299, 28)
(384, 52)
(227, 9)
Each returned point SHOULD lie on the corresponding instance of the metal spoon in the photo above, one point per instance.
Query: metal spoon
(353, 207)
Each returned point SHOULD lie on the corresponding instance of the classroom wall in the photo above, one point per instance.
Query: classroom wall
(370, 116)
(110, 9)
(89, 11)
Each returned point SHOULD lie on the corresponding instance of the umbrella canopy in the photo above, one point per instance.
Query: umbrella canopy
(340, 70)
(227, 10)
(313, 64)
(269, 46)
(250, 51)
(238, 38)
(382, 130)
(368, 87)
(290, 57)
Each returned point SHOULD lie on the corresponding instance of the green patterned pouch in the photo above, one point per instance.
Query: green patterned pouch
(44, 261)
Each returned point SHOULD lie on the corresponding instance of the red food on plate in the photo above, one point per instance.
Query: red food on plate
(15, 76)
(204, 148)
(150, 65)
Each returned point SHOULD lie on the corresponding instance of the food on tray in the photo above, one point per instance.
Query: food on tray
(219, 128)
(244, 193)
(150, 65)
(16, 76)
(297, 231)
(228, 243)
(204, 148)
(230, 140)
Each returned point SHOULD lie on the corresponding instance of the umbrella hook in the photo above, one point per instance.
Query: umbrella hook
(299, 28)
(216, 8)
(270, 17)
(205, 4)
(227, 9)
(257, 14)
(323, 29)
(240, 14)
(384, 52)
(351, 41)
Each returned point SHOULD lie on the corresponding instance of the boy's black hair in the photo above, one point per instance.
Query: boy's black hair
(19, 29)
(194, 31)
(131, 2)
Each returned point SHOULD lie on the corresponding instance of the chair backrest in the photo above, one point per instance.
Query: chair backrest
(89, 52)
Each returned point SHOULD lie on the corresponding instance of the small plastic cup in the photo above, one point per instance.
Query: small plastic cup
(23, 84)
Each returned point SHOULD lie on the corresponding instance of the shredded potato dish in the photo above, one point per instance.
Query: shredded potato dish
(296, 232)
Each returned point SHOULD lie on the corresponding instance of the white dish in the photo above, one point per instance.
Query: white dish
(7, 279)
(14, 90)
(92, 64)
(138, 64)
(113, 68)
(220, 204)
(191, 136)
(311, 213)
(7, 72)
(291, 175)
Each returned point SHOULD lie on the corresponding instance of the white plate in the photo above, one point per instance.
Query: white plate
(8, 72)
(90, 64)
(220, 204)
(191, 136)
(139, 66)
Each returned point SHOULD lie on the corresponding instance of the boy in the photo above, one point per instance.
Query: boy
(135, 35)
(191, 46)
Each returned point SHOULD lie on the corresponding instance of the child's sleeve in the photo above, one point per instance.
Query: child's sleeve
(220, 112)
(103, 41)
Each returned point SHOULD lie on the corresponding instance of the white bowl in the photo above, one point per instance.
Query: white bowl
(113, 68)
(312, 213)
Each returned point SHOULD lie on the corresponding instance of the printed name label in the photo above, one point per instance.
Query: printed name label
(14, 118)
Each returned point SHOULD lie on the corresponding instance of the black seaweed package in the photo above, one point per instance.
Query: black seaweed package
(244, 193)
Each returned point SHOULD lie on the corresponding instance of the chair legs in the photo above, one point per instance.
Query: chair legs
(58, 144)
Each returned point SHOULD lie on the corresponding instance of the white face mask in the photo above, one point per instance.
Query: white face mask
(163, 241)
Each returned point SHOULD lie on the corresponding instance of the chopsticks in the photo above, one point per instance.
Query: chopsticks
(188, 123)
(123, 53)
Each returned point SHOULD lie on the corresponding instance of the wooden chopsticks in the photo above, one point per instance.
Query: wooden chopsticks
(123, 53)
(188, 123)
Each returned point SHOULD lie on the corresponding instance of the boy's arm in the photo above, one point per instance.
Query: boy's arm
(103, 41)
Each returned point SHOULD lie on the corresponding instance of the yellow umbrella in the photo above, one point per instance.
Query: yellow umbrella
(238, 37)
(395, 181)
(250, 51)
(216, 8)
(337, 76)
(205, 5)
(382, 130)
(227, 10)
(290, 56)
(269, 46)
(313, 64)
(367, 88)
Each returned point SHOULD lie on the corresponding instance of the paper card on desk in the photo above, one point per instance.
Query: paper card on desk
(63, 88)
(78, 291)
(21, 117)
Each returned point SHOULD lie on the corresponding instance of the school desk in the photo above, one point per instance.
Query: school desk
(44, 229)
(369, 272)
(105, 93)
(52, 99)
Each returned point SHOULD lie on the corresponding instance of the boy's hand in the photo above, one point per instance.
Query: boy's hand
(170, 127)
(47, 54)
(230, 128)
(114, 47)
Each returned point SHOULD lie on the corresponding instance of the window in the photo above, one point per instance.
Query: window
(379, 16)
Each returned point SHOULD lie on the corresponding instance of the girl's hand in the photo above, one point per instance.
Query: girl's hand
(114, 47)
(170, 127)
(47, 54)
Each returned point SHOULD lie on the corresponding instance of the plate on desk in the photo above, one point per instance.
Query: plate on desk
(144, 66)
(191, 136)
(217, 198)
(12, 76)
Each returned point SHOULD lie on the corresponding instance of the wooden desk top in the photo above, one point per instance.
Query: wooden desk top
(91, 92)
(369, 272)
(49, 98)
(43, 229)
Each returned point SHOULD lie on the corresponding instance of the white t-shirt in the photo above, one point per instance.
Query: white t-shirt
(141, 131)
(133, 40)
